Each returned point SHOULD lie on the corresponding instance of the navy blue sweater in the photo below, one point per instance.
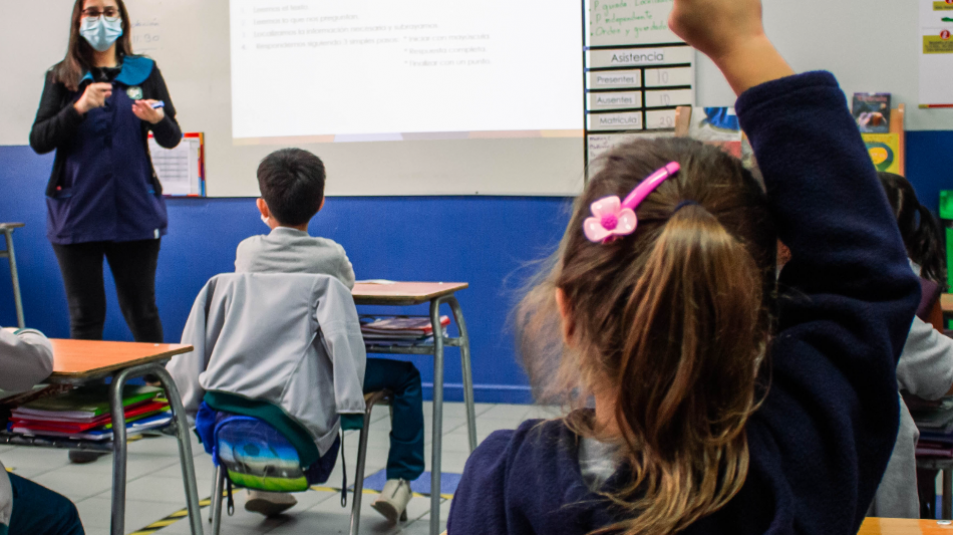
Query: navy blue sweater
(820, 442)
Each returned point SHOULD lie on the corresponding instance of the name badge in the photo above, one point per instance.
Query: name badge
(134, 92)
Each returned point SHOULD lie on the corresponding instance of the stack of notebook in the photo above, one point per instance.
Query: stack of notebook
(935, 421)
(401, 329)
(84, 413)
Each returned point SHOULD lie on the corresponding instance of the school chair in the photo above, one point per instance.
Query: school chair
(7, 230)
(222, 474)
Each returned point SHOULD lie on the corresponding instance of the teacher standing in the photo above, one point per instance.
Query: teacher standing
(104, 199)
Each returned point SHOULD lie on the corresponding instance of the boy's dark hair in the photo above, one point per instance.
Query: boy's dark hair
(292, 183)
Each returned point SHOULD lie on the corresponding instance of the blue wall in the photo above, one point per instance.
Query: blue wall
(486, 241)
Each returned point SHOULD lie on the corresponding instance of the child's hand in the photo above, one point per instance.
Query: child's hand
(717, 27)
(731, 34)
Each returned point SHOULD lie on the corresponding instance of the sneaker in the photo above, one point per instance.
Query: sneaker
(85, 456)
(269, 503)
(392, 502)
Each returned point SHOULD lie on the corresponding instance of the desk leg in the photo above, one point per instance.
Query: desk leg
(467, 371)
(17, 298)
(437, 443)
(118, 520)
(185, 448)
(947, 513)
(119, 446)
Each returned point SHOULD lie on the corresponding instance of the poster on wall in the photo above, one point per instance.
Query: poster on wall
(936, 53)
(637, 72)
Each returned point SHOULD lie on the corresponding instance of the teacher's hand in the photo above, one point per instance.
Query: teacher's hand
(144, 110)
(94, 97)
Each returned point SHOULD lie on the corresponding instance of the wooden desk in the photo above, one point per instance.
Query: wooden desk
(76, 362)
(436, 293)
(946, 303)
(83, 360)
(404, 293)
(896, 526)
(7, 230)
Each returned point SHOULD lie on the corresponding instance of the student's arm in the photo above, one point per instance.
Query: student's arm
(167, 132)
(826, 428)
(55, 123)
(26, 358)
(346, 269)
(926, 365)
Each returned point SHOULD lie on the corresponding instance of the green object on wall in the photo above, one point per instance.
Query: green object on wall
(946, 218)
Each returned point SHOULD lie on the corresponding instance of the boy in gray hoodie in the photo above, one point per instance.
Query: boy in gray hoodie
(292, 193)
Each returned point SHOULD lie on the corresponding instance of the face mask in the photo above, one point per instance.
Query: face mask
(265, 221)
(100, 33)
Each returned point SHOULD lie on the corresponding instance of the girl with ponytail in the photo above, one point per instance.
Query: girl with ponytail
(925, 369)
(919, 228)
(702, 398)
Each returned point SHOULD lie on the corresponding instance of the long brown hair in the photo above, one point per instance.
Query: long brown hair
(921, 232)
(79, 54)
(671, 322)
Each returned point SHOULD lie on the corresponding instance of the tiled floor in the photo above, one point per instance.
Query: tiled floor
(155, 490)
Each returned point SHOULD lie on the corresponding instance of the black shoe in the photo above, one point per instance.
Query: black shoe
(85, 456)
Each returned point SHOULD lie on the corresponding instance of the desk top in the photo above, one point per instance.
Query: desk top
(946, 302)
(5, 226)
(78, 359)
(403, 293)
(895, 526)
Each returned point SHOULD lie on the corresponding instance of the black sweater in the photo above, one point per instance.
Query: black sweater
(821, 441)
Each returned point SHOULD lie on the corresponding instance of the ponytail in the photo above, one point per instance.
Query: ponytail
(927, 249)
(921, 232)
(688, 369)
(667, 328)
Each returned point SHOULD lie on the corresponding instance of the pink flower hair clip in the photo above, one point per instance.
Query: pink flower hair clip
(612, 218)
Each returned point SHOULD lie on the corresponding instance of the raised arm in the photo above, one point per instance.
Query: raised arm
(829, 420)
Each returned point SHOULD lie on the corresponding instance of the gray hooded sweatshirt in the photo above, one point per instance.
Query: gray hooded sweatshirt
(293, 340)
(26, 358)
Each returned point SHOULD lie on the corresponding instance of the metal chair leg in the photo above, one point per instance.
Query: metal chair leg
(218, 487)
(947, 511)
(17, 298)
(361, 461)
(437, 446)
(467, 371)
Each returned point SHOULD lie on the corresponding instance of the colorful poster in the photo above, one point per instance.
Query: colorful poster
(936, 53)
(884, 150)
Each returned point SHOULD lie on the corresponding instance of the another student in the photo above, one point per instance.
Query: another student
(26, 358)
(719, 406)
(292, 192)
(926, 365)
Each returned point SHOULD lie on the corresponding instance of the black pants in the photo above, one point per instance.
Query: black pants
(133, 266)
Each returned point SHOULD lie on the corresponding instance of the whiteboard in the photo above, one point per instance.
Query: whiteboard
(189, 39)
(872, 46)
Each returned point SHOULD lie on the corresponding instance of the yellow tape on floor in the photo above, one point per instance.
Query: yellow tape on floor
(183, 513)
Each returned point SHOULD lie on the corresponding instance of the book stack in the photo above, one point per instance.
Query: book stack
(400, 329)
(935, 421)
(84, 414)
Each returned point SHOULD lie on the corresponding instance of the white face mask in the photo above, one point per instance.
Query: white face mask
(265, 221)
(100, 33)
